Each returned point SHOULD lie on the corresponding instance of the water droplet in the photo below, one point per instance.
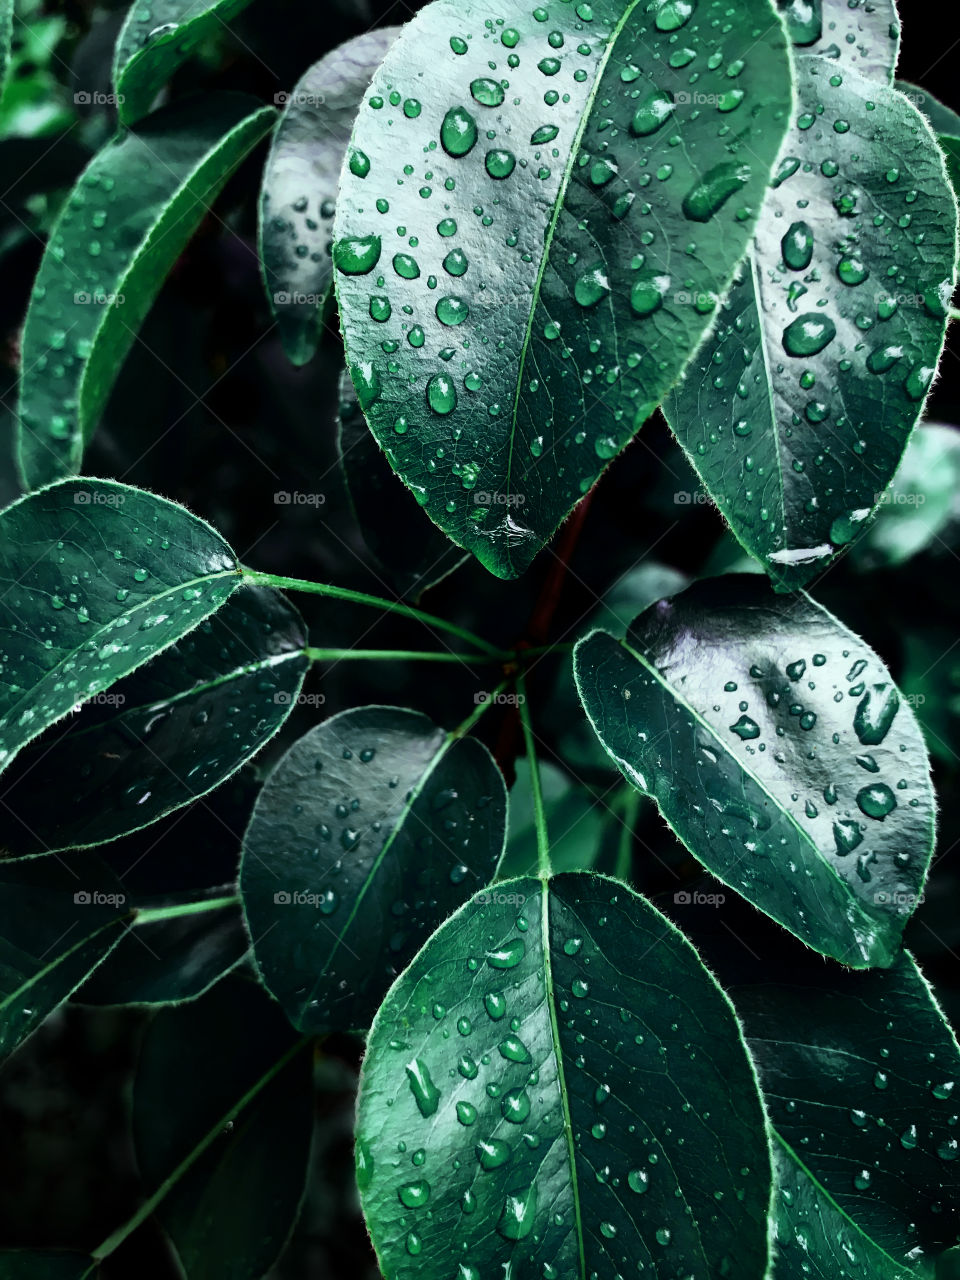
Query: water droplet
(500, 164)
(414, 1195)
(425, 1092)
(452, 311)
(592, 286)
(519, 1212)
(797, 247)
(356, 255)
(713, 190)
(877, 800)
(808, 334)
(458, 132)
(673, 14)
(489, 93)
(441, 394)
(653, 112)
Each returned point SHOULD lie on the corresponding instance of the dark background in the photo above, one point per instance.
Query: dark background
(208, 410)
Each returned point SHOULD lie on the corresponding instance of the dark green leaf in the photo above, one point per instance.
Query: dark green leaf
(157, 37)
(944, 123)
(126, 222)
(574, 820)
(222, 1117)
(171, 954)
(781, 753)
(170, 732)
(920, 505)
(859, 1072)
(300, 184)
(797, 410)
(862, 34)
(559, 258)
(596, 1119)
(56, 924)
(97, 578)
(34, 104)
(931, 682)
(371, 830)
(409, 547)
(6, 35)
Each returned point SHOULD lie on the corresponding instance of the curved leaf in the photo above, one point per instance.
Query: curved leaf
(600, 1120)
(859, 1072)
(797, 411)
(56, 925)
(168, 733)
(222, 1121)
(532, 235)
(861, 34)
(96, 578)
(373, 828)
(126, 222)
(156, 38)
(780, 752)
(409, 547)
(300, 184)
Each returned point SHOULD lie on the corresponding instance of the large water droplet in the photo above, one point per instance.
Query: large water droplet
(808, 334)
(356, 255)
(797, 246)
(458, 133)
(876, 801)
(425, 1092)
(441, 394)
(713, 190)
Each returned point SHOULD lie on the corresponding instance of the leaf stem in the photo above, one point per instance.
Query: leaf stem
(376, 602)
(484, 701)
(631, 807)
(151, 915)
(399, 655)
(539, 813)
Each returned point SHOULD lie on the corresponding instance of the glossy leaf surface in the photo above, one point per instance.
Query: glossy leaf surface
(171, 731)
(121, 230)
(300, 183)
(797, 410)
(862, 34)
(110, 576)
(373, 828)
(157, 36)
(781, 753)
(532, 236)
(573, 1094)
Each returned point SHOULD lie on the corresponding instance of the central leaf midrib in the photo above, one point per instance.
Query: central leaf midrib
(552, 227)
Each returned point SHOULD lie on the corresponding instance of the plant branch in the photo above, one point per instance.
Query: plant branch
(539, 813)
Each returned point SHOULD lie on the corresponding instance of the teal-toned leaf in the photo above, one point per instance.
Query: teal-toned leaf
(859, 1072)
(222, 1120)
(862, 34)
(126, 222)
(798, 409)
(157, 37)
(944, 123)
(574, 819)
(781, 753)
(561, 256)
(410, 548)
(97, 578)
(573, 1093)
(373, 828)
(6, 36)
(171, 954)
(56, 924)
(300, 184)
(168, 733)
(33, 103)
(920, 505)
(37, 1264)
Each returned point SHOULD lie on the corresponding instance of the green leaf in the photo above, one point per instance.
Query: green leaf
(222, 1120)
(410, 548)
(797, 410)
(168, 733)
(858, 1070)
(126, 222)
(157, 37)
(371, 830)
(944, 123)
(779, 751)
(97, 578)
(561, 257)
(6, 36)
(56, 924)
(596, 1119)
(300, 184)
(574, 819)
(171, 954)
(864, 34)
(921, 503)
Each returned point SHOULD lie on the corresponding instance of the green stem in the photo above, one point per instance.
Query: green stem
(631, 807)
(152, 914)
(488, 700)
(376, 602)
(539, 813)
(398, 655)
(953, 314)
(114, 1241)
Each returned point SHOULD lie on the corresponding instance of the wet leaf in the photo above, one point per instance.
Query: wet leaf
(797, 410)
(557, 1087)
(408, 546)
(157, 37)
(108, 577)
(222, 1121)
(126, 222)
(859, 1072)
(861, 34)
(567, 220)
(300, 184)
(371, 830)
(779, 751)
(57, 923)
(168, 733)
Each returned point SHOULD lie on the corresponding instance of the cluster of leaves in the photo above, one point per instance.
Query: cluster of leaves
(535, 230)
